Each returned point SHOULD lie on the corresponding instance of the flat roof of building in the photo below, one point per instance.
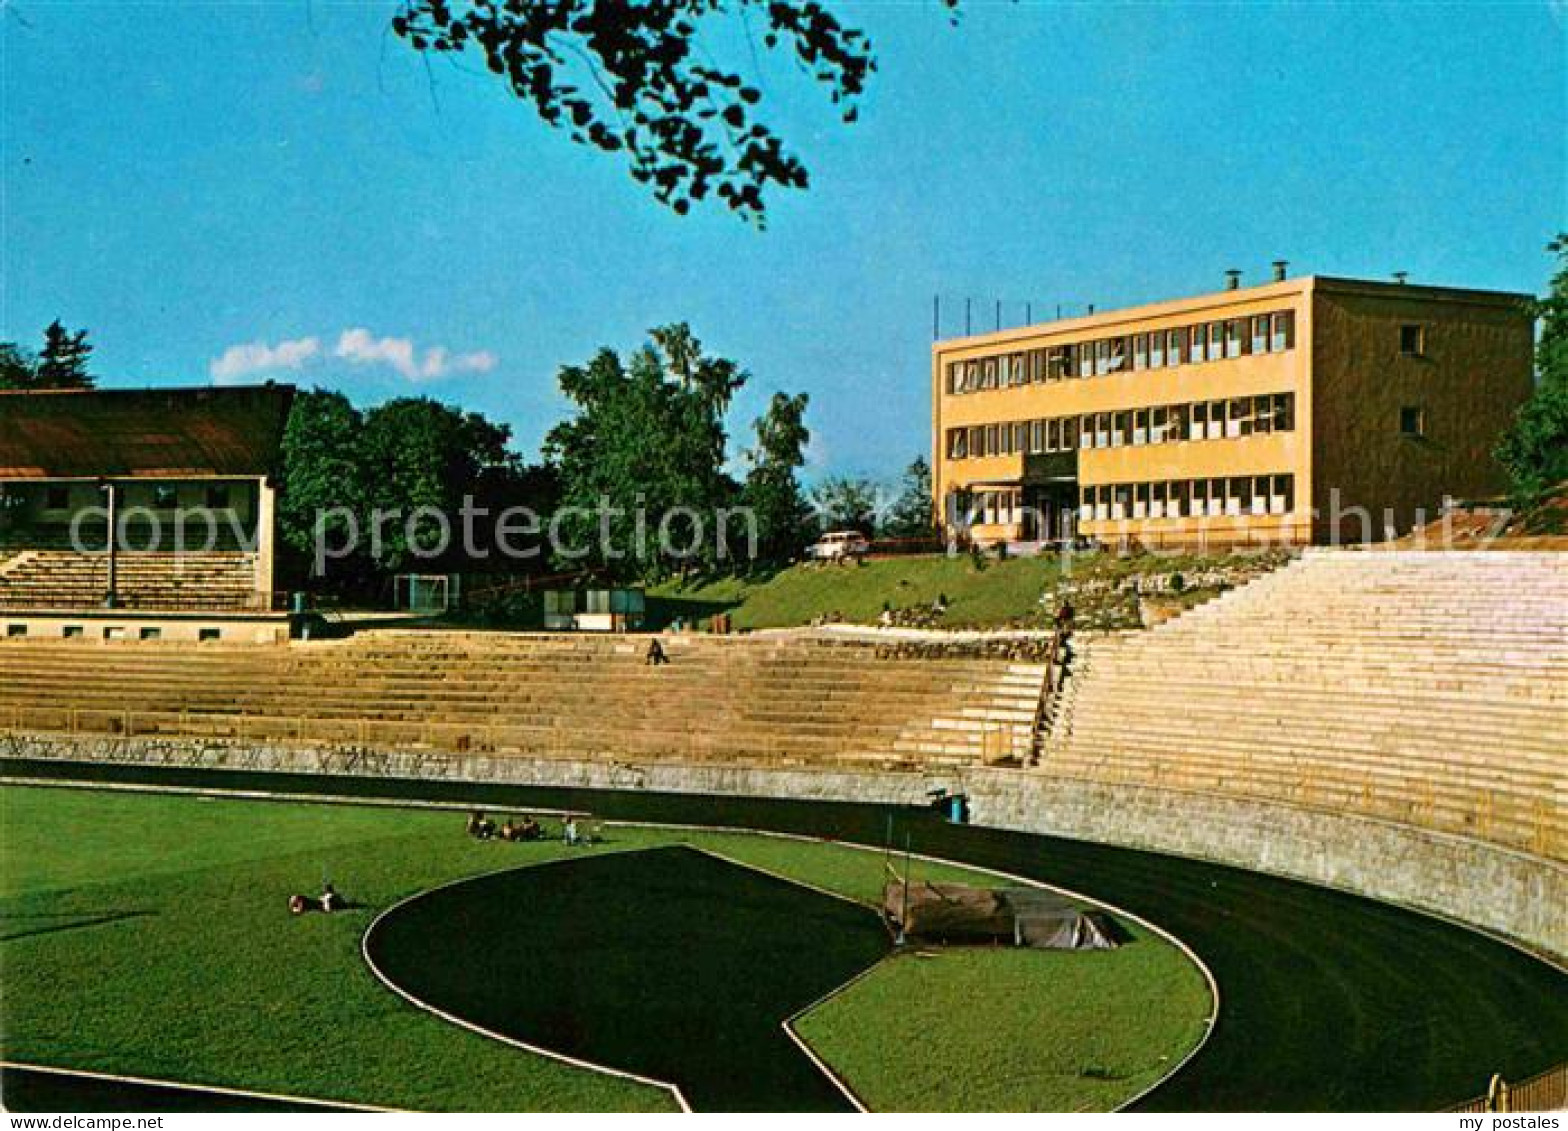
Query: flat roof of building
(1104, 319)
(170, 433)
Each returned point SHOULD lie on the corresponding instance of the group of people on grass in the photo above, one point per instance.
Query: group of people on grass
(481, 827)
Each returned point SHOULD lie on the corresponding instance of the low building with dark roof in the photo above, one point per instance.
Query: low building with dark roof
(185, 477)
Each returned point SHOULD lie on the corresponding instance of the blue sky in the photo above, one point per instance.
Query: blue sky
(187, 178)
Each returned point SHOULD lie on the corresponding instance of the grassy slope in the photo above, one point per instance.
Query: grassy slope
(120, 954)
(995, 593)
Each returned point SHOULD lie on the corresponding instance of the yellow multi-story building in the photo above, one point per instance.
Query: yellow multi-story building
(1305, 409)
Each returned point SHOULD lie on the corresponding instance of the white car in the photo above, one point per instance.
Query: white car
(838, 546)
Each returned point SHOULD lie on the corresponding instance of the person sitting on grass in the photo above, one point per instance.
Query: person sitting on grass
(530, 830)
(480, 827)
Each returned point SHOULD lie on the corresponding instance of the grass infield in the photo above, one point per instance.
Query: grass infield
(147, 935)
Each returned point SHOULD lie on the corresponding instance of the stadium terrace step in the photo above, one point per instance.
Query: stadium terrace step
(1430, 689)
(753, 701)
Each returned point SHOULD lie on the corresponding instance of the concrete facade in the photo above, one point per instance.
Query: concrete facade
(1509, 894)
(1229, 418)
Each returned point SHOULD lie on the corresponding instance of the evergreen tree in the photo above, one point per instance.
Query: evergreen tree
(1534, 450)
(62, 363)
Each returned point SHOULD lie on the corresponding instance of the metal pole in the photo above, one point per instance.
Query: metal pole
(903, 918)
(110, 599)
(936, 317)
(968, 323)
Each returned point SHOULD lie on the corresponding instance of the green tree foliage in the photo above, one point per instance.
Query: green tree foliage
(422, 459)
(17, 366)
(772, 489)
(323, 476)
(910, 516)
(641, 80)
(844, 503)
(645, 453)
(1534, 450)
(342, 465)
(61, 364)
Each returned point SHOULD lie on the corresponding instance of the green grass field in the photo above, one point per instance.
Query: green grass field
(147, 935)
(992, 593)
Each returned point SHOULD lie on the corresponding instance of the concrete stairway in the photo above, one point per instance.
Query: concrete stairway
(1424, 688)
(774, 701)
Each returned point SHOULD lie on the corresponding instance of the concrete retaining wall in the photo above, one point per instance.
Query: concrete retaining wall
(1504, 892)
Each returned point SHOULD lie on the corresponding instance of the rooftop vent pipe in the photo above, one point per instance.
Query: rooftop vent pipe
(1279, 269)
(1232, 279)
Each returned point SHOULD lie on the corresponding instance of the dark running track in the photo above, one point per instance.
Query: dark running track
(685, 974)
(26, 1089)
(1329, 1002)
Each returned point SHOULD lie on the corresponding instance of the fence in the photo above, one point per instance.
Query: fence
(1547, 1091)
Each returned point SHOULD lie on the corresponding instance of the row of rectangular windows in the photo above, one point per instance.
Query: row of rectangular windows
(1160, 424)
(1232, 496)
(1155, 349)
(113, 632)
(164, 497)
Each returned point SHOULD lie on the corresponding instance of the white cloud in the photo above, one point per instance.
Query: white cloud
(241, 361)
(357, 347)
(360, 347)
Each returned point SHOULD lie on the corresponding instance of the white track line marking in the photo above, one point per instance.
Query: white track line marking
(214, 1089)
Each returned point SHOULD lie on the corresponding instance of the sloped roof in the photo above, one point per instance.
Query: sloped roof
(143, 433)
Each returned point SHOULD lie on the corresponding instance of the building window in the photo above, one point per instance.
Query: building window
(1085, 359)
(1016, 374)
(1159, 419)
(57, 498)
(15, 630)
(992, 441)
(149, 632)
(1283, 335)
(1216, 420)
(957, 443)
(1263, 415)
(1260, 494)
(1102, 430)
(1053, 435)
(1175, 343)
(73, 632)
(114, 632)
(1200, 422)
(1233, 340)
(1157, 350)
(1284, 412)
(1196, 344)
(1412, 421)
(1216, 341)
(1412, 340)
(209, 635)
(1260, 334)
(1282, 498)
(1116, 359)
(1121, 428)
(1069, 433)
(1140, 427)
(1140, 351)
